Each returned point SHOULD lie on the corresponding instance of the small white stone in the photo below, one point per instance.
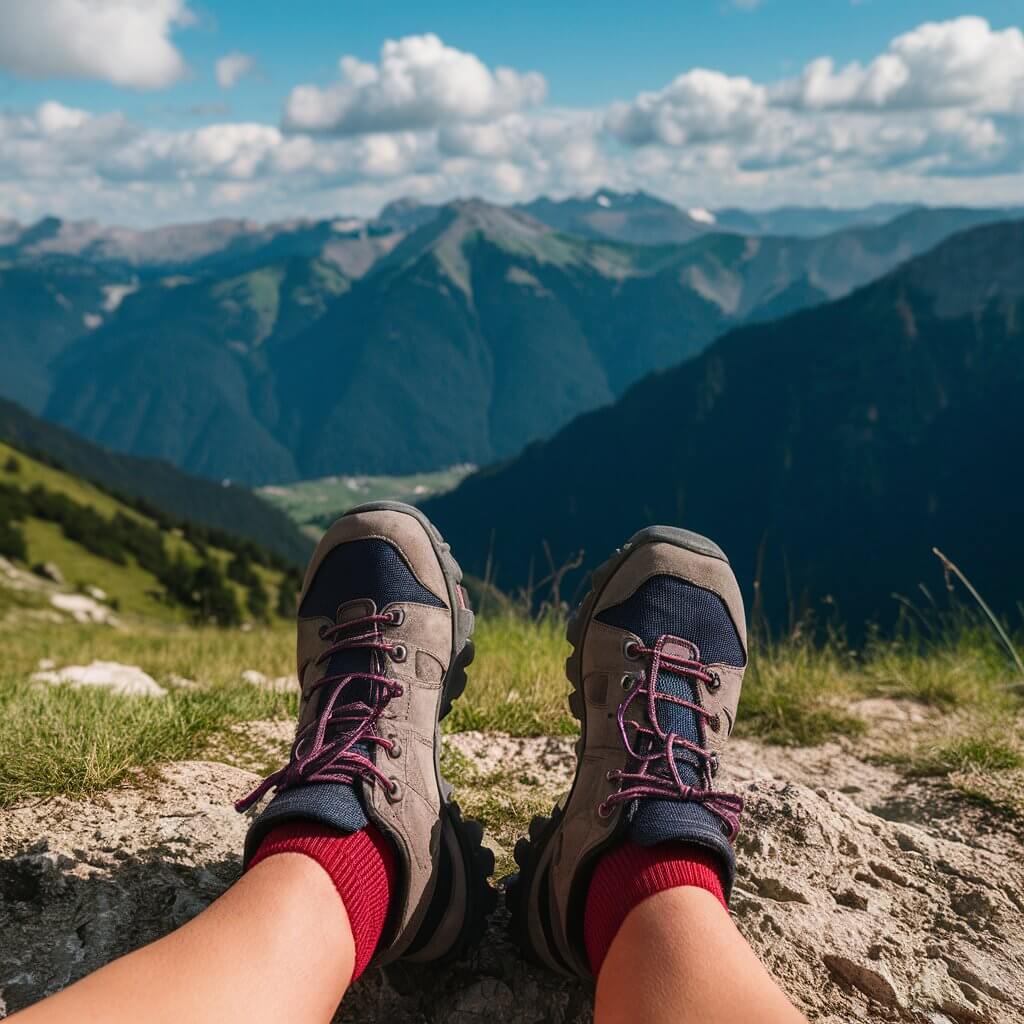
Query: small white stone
(124, 680)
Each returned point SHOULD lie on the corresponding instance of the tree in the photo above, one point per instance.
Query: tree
(258, 602)
(12, 541)
(288, 596)
(214, 599)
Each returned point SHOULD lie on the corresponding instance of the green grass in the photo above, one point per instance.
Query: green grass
(55, 740)
(314, 504)
(132, 590)
(982, 751)
(205, 654)
(796, 693)
(517, 683)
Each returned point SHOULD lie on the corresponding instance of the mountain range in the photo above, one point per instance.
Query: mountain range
(428, 337)
(826, 452)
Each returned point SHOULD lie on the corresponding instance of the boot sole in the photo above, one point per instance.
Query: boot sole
(521, 897)
(481, 898)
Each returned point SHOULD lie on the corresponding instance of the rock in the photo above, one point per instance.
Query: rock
(860, 917)
(124, 680)
(49, 571)
(83, 608)
(96, 593)
(176, 682)
(278, 684)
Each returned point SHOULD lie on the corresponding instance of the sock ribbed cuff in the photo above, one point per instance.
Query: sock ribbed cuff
(629, 874)
(360, 864)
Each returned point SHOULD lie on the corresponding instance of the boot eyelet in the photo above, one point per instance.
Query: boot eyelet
(604, 811)
(395, 750)
(628, 681)
(394, 792)
(631, 649)
(396, 616)
(612, 775)
(399, 652)
(715, 723)
(714, 683)
(322, 632)
(713, 764)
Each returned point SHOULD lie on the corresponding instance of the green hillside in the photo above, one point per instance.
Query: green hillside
(143, 567)
(178, 495)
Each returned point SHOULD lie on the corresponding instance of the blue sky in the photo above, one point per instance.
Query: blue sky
(615, 102)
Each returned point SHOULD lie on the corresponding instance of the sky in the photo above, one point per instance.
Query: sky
(154, 111)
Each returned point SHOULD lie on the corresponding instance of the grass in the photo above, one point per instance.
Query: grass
(131, 589)
(77, 742)
(796, 693)
(314, 504)
(517, 683)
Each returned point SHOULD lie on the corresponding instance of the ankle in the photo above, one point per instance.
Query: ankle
(630, 874)
(360, 864)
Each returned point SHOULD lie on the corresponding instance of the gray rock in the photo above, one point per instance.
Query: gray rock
(860, 917)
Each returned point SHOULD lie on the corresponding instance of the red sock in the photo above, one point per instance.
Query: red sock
(626, 876)
(362, 868)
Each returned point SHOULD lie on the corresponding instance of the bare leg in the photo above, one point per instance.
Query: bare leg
(678, 958)
(275, 947)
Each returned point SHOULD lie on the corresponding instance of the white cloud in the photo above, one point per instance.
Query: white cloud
(126, 42)
(698, 106)
(958, 63)
(419, 82)
(937, 117)
(233, 67)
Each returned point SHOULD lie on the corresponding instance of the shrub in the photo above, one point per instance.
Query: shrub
(12, 541)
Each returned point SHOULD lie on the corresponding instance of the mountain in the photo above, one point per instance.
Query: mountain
(352, 244)
(826, 452)
(633, 217)
(181, 372)
(44, 306)
(808, 221)
(231, 509)
(482, 330)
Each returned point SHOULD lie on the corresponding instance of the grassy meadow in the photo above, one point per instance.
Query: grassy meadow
(59, 740)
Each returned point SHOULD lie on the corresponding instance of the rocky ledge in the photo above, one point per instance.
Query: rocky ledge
(870, 898)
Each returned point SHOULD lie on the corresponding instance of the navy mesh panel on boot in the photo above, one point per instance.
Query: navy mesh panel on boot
(668, 606)
(359, 570)
(364, 569)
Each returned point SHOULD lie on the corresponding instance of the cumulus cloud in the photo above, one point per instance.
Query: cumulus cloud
(959, 63)
(233, 67)
(419, 82)
(698, 106)
(126, 42)
(937, 117)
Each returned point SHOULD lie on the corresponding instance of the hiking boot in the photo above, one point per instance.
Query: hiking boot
(659, 649)
(383, 644)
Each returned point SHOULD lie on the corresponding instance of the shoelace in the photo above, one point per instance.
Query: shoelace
(315, 757)
(657, 771)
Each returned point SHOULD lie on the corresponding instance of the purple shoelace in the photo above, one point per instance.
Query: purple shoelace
(317, 758)
(657, 771)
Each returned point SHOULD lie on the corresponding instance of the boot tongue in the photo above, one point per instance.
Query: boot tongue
(357, 659)
(672, 717)
(348, 800)
(654, 820)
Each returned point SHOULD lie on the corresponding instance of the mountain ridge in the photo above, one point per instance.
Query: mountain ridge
(826, 452)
